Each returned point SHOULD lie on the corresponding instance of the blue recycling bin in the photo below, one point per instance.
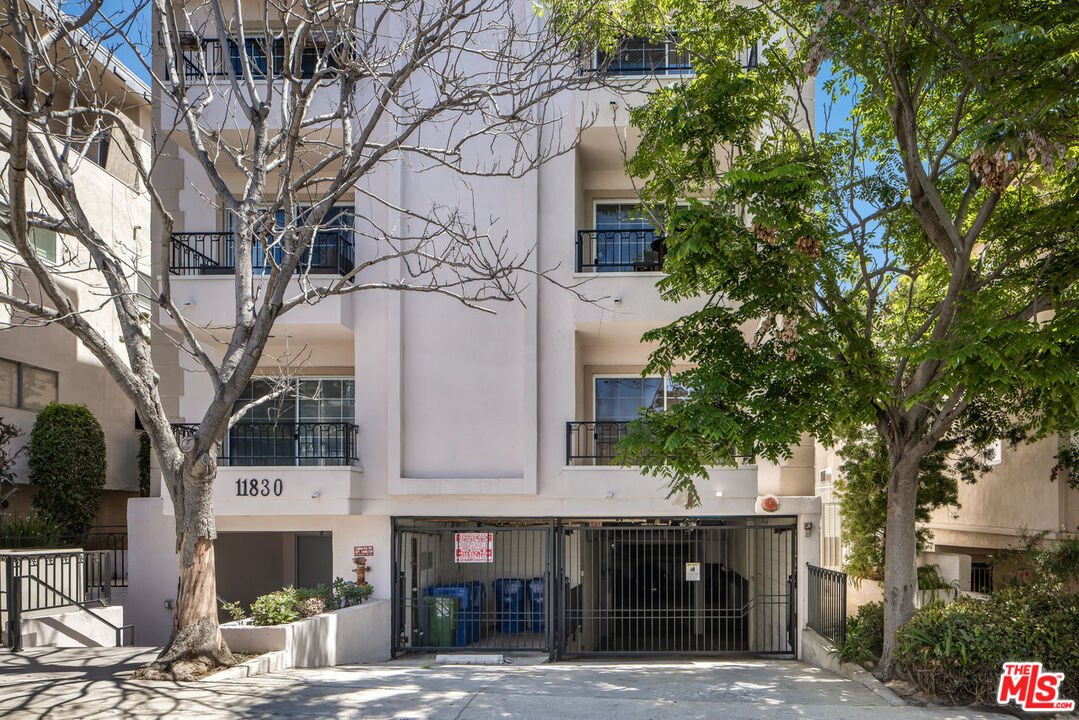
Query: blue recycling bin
(535, 605)
(479, 594)
(510, 604)
(465, 612)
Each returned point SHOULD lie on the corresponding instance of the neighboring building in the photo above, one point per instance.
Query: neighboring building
(451, 447)
(39, 365)
(1017, 498)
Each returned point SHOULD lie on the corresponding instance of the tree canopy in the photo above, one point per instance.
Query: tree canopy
(908, 265)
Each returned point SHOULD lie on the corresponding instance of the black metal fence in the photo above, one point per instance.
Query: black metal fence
(667, 586)
(591, 442)
(208, 57)
(632, 250)
(212, 253)
(827, 593)
(286, 443)
(109, 539)
(981, 577)
(54, 579)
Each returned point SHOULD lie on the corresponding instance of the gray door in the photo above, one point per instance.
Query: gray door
(314, 560)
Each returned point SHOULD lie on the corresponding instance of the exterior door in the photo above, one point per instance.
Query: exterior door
(314, 560)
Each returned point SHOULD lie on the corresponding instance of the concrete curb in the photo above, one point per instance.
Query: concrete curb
(861, 675)
(268, 663)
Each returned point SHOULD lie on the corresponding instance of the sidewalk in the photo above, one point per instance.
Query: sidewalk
(47, 683)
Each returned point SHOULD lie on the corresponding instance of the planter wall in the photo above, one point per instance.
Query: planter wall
(356, 634)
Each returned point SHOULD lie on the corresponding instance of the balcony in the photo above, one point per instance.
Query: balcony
(258, 444)
(639, 56)
(207, 57)
(211, 253)
(591, 442)
(622, 250)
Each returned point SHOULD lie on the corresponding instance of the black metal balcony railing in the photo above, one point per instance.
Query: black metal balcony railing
(827, 603)
(631, 250)
(590, 442)
(642, 57)
(285, 443)
(211, 253)
(207, 56)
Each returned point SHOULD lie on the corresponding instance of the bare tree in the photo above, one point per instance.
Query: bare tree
(284, 115)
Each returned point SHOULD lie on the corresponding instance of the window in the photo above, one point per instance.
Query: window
(311, 423)
(97, 150)
(641, 56)
(44, 241)
(27, 387)
(993, 453)
(330, 250)
(624, 240)
(622, 399)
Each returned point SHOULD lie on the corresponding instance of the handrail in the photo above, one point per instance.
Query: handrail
(15, 612)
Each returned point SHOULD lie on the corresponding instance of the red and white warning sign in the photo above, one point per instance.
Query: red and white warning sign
(474, 547)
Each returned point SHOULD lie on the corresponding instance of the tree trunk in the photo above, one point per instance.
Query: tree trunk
(196, 646)
(900, 548)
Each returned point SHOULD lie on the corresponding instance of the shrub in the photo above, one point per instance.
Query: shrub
(27, 531)
(8, 433)
(865, 635)
(67, 464)
(347, 593)
(144, 465)
(955, 651)
(276, 608)
(235, 610)
(291, 604)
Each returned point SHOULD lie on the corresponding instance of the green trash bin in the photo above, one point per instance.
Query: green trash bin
(442, 620)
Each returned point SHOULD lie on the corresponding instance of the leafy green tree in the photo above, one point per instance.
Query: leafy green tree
(863, 497)
(908, 265)
(67, 464)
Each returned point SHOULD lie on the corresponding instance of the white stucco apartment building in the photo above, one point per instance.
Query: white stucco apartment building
(39, 365)
(468, 455)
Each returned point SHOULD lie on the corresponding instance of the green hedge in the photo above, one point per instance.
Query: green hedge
(67, 464)
(865, 635)
(955, 651)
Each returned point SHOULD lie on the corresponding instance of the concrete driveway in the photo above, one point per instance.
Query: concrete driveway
(49, 683)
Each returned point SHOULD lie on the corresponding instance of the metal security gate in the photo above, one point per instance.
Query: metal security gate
(664, 586)
(472, 585)
(677, 587)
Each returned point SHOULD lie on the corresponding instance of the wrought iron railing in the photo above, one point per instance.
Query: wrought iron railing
(590, 442)
(112, 540)
(639, 57)
(827, 603)
(251, 444)
(629, 250)
(51, 580)
(981, 577)
(207, 57)
(212, 253)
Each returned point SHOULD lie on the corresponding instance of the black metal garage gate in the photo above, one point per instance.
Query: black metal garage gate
(670, 586)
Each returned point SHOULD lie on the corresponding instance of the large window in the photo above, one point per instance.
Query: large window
(27, 387)
(622, 399)
(623, 240)
(311, 422)
(330, 250)
(640, 56)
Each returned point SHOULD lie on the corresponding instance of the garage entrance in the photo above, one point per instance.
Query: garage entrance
(670, 586)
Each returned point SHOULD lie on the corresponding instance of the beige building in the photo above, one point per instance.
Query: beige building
(39, 365)
(471, 455)
(1017, 498)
